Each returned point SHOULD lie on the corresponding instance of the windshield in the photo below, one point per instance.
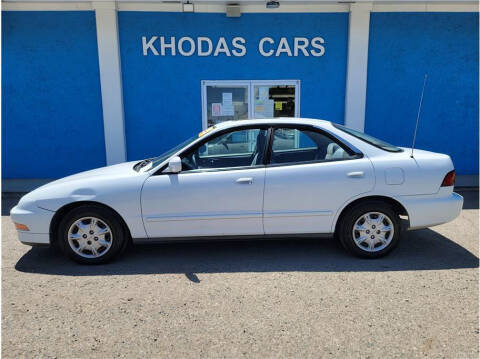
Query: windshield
(157, 160)
(369, 139)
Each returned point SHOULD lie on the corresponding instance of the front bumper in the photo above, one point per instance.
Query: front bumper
(431, 210)
(34, 239)
(37, 220)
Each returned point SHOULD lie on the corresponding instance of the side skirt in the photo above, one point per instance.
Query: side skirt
(230, 238)
(33, 244)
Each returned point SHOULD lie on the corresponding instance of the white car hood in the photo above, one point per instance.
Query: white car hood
(86, 185)
(120, 169)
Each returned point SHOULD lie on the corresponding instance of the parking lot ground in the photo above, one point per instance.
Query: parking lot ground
(289, 298)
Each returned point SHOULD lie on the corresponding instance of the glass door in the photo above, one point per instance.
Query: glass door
(271, 100)
(225, 100)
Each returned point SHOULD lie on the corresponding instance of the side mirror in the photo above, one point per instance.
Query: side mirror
(174, 165)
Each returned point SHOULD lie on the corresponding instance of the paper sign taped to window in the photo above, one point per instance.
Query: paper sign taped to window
(268, 111)
(226, 97)
(216, 109)
(263, 93)
(264, 110)
(227, 104)
(278, 106)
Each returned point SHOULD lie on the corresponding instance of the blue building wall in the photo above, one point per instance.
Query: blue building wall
(162, 94)
(51, 101)
(405, 46)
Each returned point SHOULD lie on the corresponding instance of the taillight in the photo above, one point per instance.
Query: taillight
(449, 179)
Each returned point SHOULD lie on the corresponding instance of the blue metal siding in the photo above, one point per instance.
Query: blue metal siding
(52, 113)
(405, 46)
(51, 101)
(162, 94)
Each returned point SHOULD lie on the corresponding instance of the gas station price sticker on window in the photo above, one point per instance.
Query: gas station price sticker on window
(204, 132)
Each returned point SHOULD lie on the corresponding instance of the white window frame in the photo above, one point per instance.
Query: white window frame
(250, 85)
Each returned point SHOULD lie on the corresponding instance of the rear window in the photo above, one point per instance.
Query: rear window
(369, 139)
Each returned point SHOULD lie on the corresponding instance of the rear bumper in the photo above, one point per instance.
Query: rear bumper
(431, 210)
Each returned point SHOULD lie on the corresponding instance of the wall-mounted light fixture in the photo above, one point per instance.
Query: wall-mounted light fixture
(188, 7)
(233, 10)
(273, 4)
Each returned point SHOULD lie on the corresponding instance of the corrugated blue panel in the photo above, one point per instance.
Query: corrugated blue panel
(51, 101)
(162, 94)
(405, 46)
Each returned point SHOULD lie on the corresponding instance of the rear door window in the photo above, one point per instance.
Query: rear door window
(292, 145)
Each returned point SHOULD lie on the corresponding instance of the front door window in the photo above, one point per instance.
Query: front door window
(240, 148)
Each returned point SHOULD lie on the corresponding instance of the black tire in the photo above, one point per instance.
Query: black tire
(118, 239)
(348, 220)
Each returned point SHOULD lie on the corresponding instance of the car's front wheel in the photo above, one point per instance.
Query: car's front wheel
(370, 229)
(91, 234)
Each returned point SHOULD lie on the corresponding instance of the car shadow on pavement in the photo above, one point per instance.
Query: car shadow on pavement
(418, 250)
(470, 199)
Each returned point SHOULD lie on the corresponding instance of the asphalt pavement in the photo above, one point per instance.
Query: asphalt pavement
(288, 298)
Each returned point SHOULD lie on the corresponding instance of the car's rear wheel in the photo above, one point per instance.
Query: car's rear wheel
(91, 234)
(370, 229)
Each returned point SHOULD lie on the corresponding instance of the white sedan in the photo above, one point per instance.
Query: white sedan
(252, 178)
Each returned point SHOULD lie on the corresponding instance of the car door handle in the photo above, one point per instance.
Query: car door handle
(355, 174)
(245, 180)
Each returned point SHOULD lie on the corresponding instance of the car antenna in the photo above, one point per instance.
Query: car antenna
(418, 114)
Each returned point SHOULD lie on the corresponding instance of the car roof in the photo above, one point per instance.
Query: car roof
(267, 121)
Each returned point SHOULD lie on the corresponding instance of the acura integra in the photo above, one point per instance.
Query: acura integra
(247, 179)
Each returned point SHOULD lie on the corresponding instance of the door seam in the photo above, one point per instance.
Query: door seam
(263, 199)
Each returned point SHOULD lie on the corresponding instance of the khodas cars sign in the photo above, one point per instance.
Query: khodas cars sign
(205, 46)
